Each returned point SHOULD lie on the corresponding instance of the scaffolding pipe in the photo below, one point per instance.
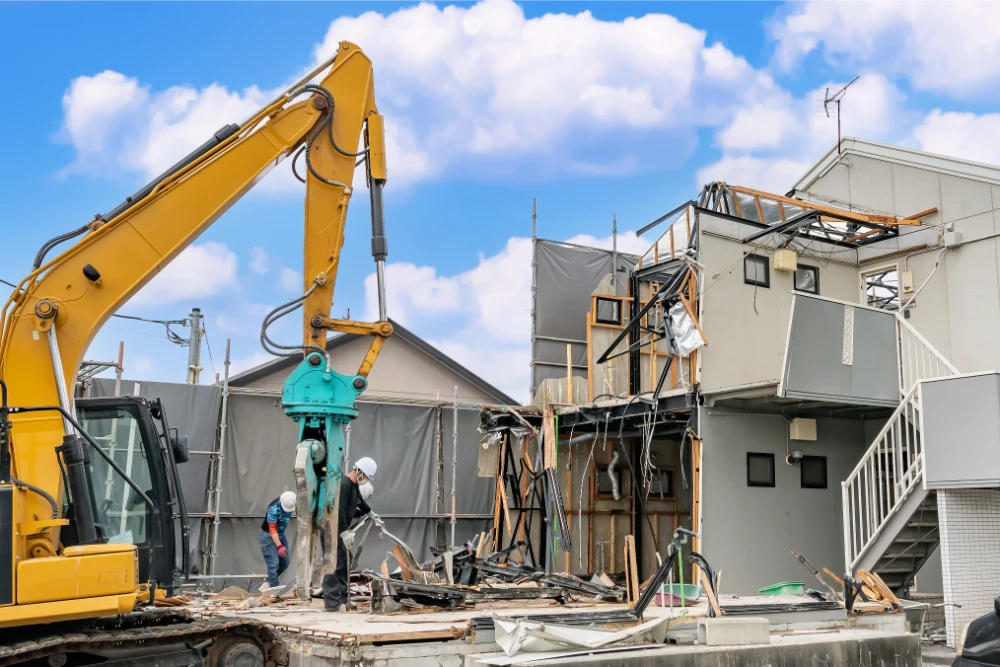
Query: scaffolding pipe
(223, 426)
(454, 467)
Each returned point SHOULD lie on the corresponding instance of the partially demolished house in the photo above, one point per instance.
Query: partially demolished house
(778, 373)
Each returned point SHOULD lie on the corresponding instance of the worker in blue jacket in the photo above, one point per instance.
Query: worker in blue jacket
(273, 543)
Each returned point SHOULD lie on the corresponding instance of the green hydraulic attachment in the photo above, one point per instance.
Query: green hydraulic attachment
(321, 401)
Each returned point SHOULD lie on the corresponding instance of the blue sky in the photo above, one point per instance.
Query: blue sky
(594, 109)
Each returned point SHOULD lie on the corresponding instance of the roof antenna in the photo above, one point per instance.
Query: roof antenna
(836, 97)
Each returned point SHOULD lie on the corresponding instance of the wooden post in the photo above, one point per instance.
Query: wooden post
(569, 373)
(631, 573)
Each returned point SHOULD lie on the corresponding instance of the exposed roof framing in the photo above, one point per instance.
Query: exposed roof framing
(793, 218)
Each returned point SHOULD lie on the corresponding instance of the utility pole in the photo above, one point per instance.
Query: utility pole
(194, 346)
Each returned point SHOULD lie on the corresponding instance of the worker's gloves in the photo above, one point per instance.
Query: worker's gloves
(282, 551)
(376, 518)
(347, 537)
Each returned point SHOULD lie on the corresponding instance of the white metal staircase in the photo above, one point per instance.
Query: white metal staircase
(890, 519)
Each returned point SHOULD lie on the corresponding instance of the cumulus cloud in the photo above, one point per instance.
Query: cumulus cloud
(967, 136)
(941, 47)
(772, 142)
(199, 271)
(487, 308)
(491, 91)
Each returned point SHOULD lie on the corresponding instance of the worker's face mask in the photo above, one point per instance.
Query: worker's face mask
(367, 489)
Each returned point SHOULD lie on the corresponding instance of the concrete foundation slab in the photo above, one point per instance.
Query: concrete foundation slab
(734, 631)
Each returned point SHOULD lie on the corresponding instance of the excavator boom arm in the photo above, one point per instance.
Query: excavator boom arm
(54, 314)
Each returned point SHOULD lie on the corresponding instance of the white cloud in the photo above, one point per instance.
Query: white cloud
(964, 135)
(199, 271)
(486, 310)
(772, 174)
(259, 261)
(944, 47)
(114, 121)
(490, 91)
(769, 144)
(291, 280)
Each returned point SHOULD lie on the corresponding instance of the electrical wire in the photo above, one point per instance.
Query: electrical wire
(209, 346)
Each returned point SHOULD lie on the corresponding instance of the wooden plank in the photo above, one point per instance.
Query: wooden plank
(632, 580)
(687, 226)
(569, 373)
(711, 596)
(923, 214)
(406, 572)
(839, 581)
(760, 211)
(506, 515)
(549, 437)
(521, 419)
(841, 213)
(673, 253)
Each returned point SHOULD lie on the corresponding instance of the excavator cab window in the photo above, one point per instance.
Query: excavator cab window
(124, 428)
(122, 516)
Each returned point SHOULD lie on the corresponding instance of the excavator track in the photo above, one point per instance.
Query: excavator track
(220, 642)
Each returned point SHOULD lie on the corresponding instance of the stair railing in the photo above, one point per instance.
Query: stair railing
(918, 359)
(883, 479)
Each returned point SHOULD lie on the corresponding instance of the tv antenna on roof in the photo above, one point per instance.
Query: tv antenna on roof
(836, 97)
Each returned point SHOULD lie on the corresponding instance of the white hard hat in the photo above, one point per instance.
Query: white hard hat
(288, 501)
(367, 466)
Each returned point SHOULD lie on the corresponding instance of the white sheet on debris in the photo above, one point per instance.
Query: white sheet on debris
(530, 636)
(522, 658)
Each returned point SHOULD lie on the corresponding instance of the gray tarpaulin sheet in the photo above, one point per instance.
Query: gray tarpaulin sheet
(565, 278)
(194, 411)
(260, 451)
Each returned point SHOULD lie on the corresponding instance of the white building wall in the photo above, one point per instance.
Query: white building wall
(969, 521)
(746, 325)
(958, 310)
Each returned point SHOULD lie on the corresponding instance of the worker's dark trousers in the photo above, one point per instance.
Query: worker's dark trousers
(335, 585)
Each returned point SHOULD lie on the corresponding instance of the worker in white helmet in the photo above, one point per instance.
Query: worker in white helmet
(273, 543)
(355, 489)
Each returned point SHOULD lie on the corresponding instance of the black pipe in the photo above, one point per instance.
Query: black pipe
(79, 488)
(380, 247)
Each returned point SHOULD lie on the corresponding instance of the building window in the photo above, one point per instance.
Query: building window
(882, 288)
(609, 311)
(755, 271)
(807, 279)
(662, 484)
(760, 469)
(604, 486)
(813, 470)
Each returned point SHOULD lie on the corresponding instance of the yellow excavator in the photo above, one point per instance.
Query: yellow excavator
(88, 538)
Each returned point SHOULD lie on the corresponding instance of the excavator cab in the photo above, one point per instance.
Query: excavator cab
(135, 434)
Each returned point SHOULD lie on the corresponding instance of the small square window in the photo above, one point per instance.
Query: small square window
(813, 470)
(760, 469)
(662, 484)
(807, 279)
(604, 487)
(755, 271)
(609, 311)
